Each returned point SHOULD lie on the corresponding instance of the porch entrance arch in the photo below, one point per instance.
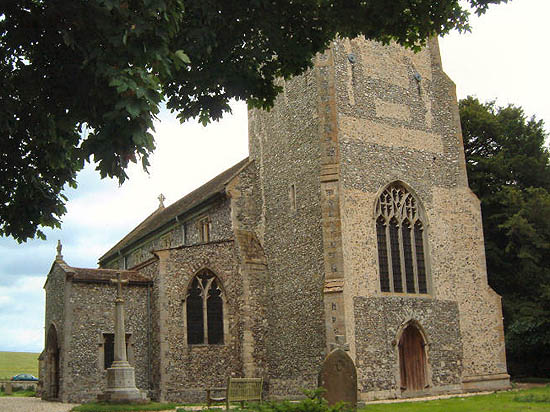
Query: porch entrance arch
(52, 365)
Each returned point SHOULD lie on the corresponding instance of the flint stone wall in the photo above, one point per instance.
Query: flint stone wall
(55, 315)
(151, 270)
(92, 311)
(186, 233)
(285, 145)
(398, 121)
(187, 369)
(377, 324)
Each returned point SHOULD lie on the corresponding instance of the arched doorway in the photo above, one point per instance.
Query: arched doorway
(412, 359)
(51, 384)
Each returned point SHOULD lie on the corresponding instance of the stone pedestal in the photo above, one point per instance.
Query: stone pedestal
(121, 385)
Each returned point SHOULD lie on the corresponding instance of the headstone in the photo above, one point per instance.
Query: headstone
(338, 377)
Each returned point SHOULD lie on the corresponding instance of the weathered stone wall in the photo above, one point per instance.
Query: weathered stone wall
(185, 370)
(151, 270)
(458, 256)
(398, 121)
(285, 144)
(220, 224)
(55, 315)
(378, 321)
(91, 312)
(244, 191)
(220, 229)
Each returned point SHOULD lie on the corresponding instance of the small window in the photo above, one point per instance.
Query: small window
(400, 242)
(109, 349)
(292, 196)
(204, 229)
(204, 307)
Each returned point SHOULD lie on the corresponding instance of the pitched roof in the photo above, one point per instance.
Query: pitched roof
(163, 216)
(105, 275)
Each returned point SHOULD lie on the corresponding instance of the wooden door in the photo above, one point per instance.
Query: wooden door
(412, 359)
(52, 365)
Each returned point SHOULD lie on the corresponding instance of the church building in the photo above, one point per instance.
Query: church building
(350, 225)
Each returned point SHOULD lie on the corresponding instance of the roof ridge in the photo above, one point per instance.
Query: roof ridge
(162, 216)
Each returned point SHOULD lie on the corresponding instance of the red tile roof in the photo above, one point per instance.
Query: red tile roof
(105, 275)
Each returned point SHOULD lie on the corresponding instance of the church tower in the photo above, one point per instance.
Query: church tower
(372, 237)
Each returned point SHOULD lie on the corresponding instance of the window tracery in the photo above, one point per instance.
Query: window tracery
(204, 310)
(400, 241)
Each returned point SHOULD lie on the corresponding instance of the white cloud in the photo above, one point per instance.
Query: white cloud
(5, 299)
(22, 315)
(505, 57)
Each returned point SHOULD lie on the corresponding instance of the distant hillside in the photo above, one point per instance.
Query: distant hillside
(13, 363)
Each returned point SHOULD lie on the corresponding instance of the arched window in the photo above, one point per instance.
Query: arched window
(204, 310)
(401, 242)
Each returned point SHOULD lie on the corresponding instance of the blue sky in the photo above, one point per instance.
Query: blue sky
(504, 58)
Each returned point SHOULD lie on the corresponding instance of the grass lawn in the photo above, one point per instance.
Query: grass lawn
(20, 394)
(13, 363)
(532, 400)
(105, 407)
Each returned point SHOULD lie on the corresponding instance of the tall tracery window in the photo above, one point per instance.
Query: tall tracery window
(204, 308)
(400, 240)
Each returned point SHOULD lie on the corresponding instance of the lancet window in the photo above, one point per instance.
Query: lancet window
(204, 310)
(401, 240)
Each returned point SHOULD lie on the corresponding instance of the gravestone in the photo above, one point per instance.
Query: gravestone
(339, 378)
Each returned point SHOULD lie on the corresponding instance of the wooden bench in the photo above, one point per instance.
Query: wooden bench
(237, 390)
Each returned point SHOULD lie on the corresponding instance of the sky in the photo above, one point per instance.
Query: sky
(505, 58)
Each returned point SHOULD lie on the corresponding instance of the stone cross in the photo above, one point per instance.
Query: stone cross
(121, 379)
(59, 248)
(161, 199)
(120, 332)
(119, 281)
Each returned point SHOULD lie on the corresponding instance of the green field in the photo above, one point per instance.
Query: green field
(12, 363)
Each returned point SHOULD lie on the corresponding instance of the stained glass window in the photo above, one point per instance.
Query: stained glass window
(383, 255)
(420, 258)
(395, 256)
(407, 251)
(204, 307)
(400, 240)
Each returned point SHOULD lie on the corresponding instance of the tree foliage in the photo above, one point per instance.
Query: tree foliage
(509, 170)
(82, 80)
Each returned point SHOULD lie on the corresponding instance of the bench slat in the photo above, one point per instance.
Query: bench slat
(238, 390)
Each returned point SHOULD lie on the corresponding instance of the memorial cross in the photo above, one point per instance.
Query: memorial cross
(161, 199)
(120, 333)
(119, 281)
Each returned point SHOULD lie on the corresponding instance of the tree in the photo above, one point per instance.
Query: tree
(509, 170)
(104, 66)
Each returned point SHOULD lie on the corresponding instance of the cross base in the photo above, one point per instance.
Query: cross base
(121, 387)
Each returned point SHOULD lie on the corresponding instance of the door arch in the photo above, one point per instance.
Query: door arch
(52, 378)
(412, 358)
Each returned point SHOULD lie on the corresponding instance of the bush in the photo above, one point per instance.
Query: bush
(314, 403)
